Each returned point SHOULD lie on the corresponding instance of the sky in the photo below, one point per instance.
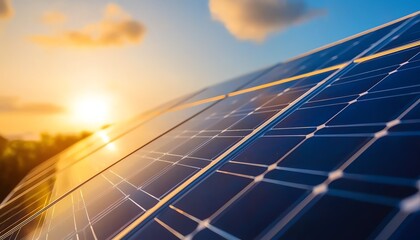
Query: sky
(67, 66)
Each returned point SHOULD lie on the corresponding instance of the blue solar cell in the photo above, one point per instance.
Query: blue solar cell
(313, 116)
(338, 218)
(397, 192)
(390, 156)
(316, 154)
(245, 219)
(361, 111)
(215, 189)
(267, 150)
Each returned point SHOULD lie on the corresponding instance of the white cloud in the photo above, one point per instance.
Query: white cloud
(255, 19)
(117, 28)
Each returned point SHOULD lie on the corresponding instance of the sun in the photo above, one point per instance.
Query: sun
(92, 109)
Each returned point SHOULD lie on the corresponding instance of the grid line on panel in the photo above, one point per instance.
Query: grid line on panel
(291, 107)
(171, 230)
(87, 214)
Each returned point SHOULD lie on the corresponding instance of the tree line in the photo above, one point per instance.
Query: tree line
(18, 157)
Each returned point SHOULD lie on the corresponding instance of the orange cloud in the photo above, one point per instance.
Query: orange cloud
(254, 20)
(54, 18)
(117, 28)
(6, 10)
(10, 104)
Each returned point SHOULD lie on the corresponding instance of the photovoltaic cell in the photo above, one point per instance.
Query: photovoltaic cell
(321, 146)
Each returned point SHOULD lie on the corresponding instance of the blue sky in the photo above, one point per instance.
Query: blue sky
(182, 49)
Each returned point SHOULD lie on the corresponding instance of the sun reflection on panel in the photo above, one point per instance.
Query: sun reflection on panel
(105, 138)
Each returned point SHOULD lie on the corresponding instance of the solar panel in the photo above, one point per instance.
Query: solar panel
(320, 146)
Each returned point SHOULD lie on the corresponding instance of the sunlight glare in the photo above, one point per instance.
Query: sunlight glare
(92, 109)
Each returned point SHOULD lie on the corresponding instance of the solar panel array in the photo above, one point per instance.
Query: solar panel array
(321, 146)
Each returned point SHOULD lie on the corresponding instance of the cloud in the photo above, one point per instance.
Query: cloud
(6, 10)
(54, 18)
(10, 104)
(117, 28)
(255, 19)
